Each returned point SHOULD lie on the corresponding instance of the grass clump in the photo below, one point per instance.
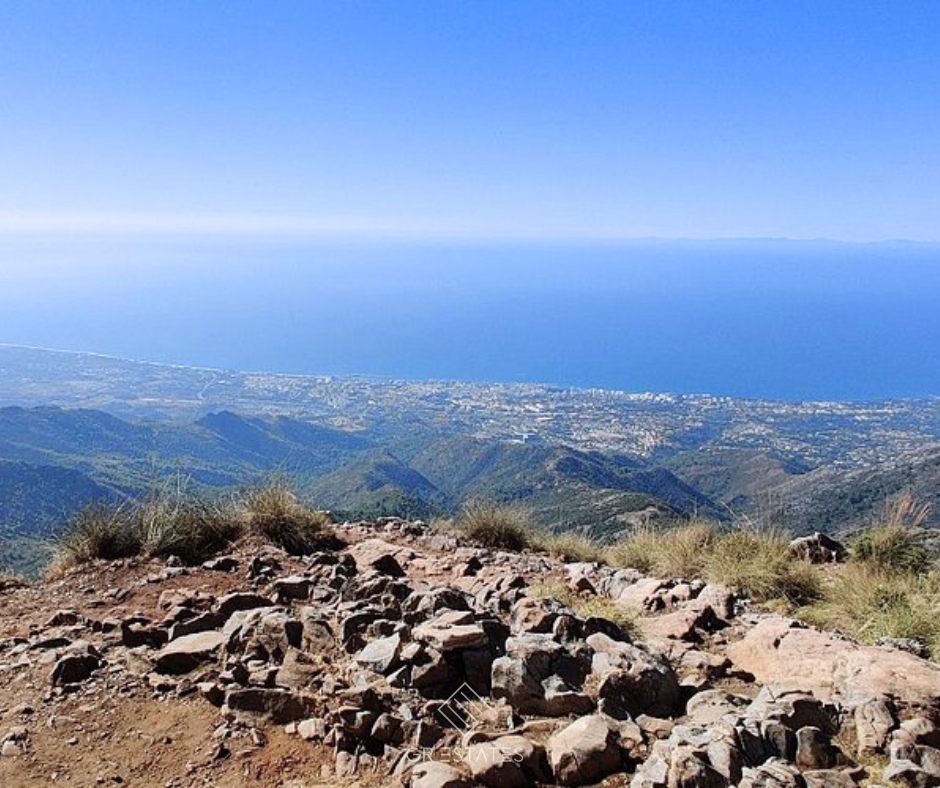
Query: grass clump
(160, 525)
(101, 530)
(756, 564)
(496, 526)
(868, 604)
(574, 547)
(189, 528)
(761, 566)
(586, 606)
(896, 543)
(275, 513)
(675, 552)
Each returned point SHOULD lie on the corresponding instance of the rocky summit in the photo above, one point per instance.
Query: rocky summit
(406, 657)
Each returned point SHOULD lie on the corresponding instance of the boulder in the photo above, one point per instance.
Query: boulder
(224, 563)
(906, 772)
(818, 549)
(688, 623)
(292, 587)
(255, 704)
(421, 605)
(509, 761)
(689, 769)
(382, 655)
(814, 750)
(534, 614)
(240, 601)
(76, 667)
(536, 666)
(829, 778)
(631, 680)
(584, 752)
(451, 631)
(436, 774)
(874, 721)
(189, 652)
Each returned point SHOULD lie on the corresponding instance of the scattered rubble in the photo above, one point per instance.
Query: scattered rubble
(408, 659)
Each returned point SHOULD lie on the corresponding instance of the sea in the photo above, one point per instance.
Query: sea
(776, 319)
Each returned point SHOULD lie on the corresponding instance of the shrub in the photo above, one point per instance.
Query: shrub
(896, 543)
(496, 526)
(574, 547)
(761, 566)
(275, 513)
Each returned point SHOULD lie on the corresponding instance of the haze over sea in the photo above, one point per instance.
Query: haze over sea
(772, 319)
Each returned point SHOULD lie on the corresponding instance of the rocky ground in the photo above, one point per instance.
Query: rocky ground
(407, 658)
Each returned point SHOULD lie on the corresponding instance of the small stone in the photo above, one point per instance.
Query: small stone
(224, 563)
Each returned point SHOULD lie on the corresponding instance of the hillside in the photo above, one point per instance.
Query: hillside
(93, 454)
(840, 502)
(563, 487)
(35, 498)
(376, 485)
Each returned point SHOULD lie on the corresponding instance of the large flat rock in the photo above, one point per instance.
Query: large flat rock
(779, 651)
(189, 652)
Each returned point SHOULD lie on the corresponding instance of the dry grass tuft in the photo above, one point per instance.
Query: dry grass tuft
(761, 566)
(574, 547)
(274, 512)
(757, 564)
(161, 525)
(896, 544)
(586, 606)
(496, 526)
(100, 531)
(190, 528)
(676, 552)
(868, 604)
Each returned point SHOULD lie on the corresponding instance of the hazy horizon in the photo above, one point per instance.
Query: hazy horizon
(777, 320)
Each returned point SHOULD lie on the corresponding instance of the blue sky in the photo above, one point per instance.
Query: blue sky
(481, 120)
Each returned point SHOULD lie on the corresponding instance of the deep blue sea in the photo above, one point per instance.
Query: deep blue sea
(785, 320)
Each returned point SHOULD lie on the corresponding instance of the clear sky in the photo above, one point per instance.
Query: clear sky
(475, 118)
